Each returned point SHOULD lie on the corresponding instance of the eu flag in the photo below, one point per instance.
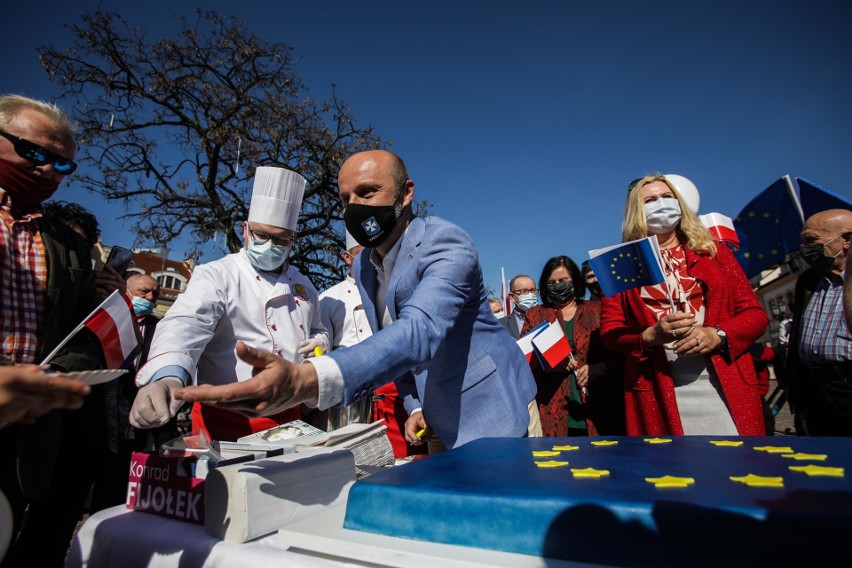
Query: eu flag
(768, 227)
(628, 265)
(816, 198)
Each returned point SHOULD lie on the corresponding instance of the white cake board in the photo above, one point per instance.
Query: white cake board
(323, 534)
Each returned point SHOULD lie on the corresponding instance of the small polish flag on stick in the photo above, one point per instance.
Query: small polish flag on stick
(113, 324)
(721, 228)
(504, 296)
(552, 344)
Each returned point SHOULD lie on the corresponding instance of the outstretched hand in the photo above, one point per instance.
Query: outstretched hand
(275, 386)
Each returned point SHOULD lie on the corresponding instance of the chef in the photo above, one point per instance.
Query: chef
(254, 296)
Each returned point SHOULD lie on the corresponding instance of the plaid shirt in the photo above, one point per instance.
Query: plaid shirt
(825, 339)
(23, 284)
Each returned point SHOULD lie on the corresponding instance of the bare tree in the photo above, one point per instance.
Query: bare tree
(175, 127)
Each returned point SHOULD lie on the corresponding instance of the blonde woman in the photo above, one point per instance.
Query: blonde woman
(687, 369)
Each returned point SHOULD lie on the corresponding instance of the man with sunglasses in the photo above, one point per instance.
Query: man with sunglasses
(819, 353)
(254, 296)
(48, 288)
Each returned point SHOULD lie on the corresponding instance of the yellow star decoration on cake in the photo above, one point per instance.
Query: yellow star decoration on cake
(670, 481)
(657, 440)
(590, 472)
(801, 457)
(544, 454)
(727, 443)
(565, 448)
(605, 443)
(818, 470)
(775, 449)
(551, 464)
(759, 481)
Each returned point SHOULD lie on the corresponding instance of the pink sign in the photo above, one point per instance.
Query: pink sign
(165, 486)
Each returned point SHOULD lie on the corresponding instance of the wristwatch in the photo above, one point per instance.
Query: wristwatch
(723, 337)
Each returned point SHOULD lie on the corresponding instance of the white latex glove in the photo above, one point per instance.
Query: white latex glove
(154, 404)
(306, 348)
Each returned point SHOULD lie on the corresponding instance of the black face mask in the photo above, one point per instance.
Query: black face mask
(561, 292)
(370, 225)
(814, 255)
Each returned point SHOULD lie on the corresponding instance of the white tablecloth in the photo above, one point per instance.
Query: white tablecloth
(129, 539)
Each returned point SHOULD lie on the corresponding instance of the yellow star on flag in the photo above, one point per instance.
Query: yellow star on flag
(670, 481)
(565, 448)
(605, 443)
(727, 443)
(775, 449)
(818, 470)
(801, 457)
(590, 472)
(550, 464)
(544, 454)
(759, 481)
(657, 440)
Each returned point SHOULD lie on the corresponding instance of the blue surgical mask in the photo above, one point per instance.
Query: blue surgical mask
(266, 256)
(526, 301)
(141, 306)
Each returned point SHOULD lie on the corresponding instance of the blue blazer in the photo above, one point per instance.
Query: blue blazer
(445, 349)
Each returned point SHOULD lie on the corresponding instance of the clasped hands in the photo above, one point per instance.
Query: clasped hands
(689, 339)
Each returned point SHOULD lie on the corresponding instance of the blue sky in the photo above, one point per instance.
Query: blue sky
(523, 122)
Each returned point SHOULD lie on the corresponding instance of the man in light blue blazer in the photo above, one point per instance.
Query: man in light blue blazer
(422, 289)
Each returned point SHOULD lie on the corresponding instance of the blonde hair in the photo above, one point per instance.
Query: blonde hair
(11, 105)
(689, 230)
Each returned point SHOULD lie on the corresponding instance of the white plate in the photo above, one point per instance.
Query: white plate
(97, 377)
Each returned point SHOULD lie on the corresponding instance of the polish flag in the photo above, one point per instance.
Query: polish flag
(552, 344)
(526, 344)
(504, 296)
(721, 228)
(113, 324)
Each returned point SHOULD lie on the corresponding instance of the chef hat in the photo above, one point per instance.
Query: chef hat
(351, 243)
(277, 197)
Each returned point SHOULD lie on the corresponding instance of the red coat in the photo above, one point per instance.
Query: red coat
(731, 305)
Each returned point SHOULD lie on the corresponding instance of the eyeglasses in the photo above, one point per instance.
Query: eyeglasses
(35, 153)
(262, 238)
(523, 291)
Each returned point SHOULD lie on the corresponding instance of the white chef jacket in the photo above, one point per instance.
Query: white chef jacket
(226, 301)
(343, 314)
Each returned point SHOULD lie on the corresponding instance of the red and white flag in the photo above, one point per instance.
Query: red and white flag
(552, 344)
(504, 296)
(526, 344)
(721, 228)
(113, 324)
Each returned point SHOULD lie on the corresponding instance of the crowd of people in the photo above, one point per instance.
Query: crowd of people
(409, 336)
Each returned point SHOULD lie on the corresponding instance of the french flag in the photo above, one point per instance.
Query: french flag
(552, 344)
(721, 228)
(113, 324)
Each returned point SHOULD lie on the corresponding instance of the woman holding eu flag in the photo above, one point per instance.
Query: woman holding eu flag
(686, 340)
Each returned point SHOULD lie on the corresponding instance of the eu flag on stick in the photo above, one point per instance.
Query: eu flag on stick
(816, 198)
(769, 227)
(628, 265)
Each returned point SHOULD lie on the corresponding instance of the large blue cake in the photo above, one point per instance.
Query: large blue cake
(497, 494)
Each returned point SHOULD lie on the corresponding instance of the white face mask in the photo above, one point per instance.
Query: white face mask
(662, 215)
(498, 315)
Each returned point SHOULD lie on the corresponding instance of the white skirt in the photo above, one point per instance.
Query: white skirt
(700, 400)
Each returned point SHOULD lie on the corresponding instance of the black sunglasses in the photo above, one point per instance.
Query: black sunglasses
(35, 153)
